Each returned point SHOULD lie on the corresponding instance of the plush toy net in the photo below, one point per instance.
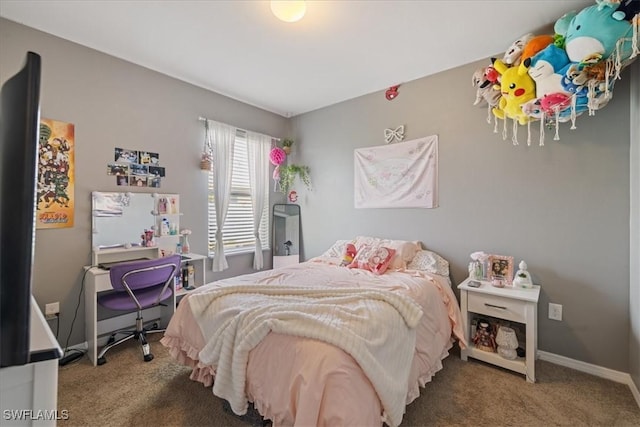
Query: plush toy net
(556, 78)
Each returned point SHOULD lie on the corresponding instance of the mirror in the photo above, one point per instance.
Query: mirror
(120, 218)
(286, 234)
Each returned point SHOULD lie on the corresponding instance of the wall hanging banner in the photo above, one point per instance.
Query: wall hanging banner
(402, 175)
(56, 168)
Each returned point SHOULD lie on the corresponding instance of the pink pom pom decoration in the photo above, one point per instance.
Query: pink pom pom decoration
(277, 156)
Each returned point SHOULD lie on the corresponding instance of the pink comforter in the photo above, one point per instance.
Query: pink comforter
(303, 382)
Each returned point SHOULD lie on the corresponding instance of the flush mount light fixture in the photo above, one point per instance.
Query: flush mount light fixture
(288, 10)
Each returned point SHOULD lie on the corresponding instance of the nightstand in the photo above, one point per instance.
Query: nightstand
(512, 304)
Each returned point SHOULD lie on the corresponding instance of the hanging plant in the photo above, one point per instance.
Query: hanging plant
(286, 145)
(206, 159)
(288, 175)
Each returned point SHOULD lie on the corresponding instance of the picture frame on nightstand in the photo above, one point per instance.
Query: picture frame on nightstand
(500, 266)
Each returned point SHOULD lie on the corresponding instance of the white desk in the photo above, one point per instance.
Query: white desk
(97, 280)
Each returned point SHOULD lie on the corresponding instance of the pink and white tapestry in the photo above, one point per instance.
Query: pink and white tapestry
(401, 175)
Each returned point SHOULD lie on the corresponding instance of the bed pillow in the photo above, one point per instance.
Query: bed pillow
(337, 249)
(373, 258)
(430, 262)
(405, 250)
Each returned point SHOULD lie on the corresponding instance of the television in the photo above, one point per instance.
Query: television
(19, 132)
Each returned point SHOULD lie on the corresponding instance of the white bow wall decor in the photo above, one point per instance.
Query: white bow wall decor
(391, 134)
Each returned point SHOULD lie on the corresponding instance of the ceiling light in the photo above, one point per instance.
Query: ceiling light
(288, 10)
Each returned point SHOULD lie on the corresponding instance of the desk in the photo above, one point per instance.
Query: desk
(97, 280)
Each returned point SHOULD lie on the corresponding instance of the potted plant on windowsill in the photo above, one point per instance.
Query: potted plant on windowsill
(286, 145)
(288, 175)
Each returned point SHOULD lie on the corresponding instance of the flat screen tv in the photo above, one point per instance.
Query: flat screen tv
(19, 132)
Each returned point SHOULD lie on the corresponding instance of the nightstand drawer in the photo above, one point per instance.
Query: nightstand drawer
(491, 305)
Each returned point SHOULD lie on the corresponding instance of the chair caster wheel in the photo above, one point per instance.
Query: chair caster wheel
(155, 326)
(102, 361)
(111, 340)
(148, 357)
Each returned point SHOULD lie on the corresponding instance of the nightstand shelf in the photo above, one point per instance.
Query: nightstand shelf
(512, 304)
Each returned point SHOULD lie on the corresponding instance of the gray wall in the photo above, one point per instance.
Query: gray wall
(634, 291)
(564, 207)
(113, 103)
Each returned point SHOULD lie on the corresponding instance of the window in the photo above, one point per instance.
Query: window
(237, 232)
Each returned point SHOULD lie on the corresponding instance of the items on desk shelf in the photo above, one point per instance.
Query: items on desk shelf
(188, 276)
(177, 284)
(185, 232)
(162, 205)
(164, 227)
(147, 239)
(173, 205)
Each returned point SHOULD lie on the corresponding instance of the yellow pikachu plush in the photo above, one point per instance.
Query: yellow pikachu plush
(517, 87)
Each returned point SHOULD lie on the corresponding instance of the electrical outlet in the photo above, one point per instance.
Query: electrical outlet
(555, 311)
(52, 309)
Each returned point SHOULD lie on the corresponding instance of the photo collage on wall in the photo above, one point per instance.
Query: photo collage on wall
(136, 168)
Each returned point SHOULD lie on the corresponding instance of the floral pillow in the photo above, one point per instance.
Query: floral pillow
(373, 258)
(405, 250)
(430, 262)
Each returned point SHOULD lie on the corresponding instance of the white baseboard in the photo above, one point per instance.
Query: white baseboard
(598, 371)
(635, 392)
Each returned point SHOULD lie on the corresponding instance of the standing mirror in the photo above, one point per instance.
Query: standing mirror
(286, 235)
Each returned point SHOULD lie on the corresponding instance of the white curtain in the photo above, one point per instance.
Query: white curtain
(258, 147)
(221, 140)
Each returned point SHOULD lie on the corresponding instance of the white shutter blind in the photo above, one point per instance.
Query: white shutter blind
(237, 232)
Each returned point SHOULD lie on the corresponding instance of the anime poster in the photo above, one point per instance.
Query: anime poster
(56, 168)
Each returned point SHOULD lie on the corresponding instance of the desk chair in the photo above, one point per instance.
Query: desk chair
(139, 285)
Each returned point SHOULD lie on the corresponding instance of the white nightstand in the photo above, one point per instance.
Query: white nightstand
(513, 304)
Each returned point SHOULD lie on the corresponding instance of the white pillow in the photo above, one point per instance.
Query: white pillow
(430, 262)
(337, 249)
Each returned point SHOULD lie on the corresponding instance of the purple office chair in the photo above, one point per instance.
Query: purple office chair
(139, 285)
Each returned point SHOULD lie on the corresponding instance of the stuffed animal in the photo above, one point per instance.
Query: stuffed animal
(513, 54)
(348, 254)
(532, 108)
(596, 72)
(554, 103)
(517, 88)
(596, 30)
(544, 69)
(484, 79)
(535, 45)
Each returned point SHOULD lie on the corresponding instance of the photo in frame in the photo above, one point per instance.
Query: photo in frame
(501, 266)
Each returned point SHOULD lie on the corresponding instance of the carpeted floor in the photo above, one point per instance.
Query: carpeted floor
(128, 392)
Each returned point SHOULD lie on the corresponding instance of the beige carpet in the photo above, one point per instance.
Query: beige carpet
(129, 392)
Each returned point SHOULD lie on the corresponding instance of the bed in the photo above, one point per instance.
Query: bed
(324, 342)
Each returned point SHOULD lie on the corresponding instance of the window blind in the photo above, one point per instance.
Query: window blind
(237, 232)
